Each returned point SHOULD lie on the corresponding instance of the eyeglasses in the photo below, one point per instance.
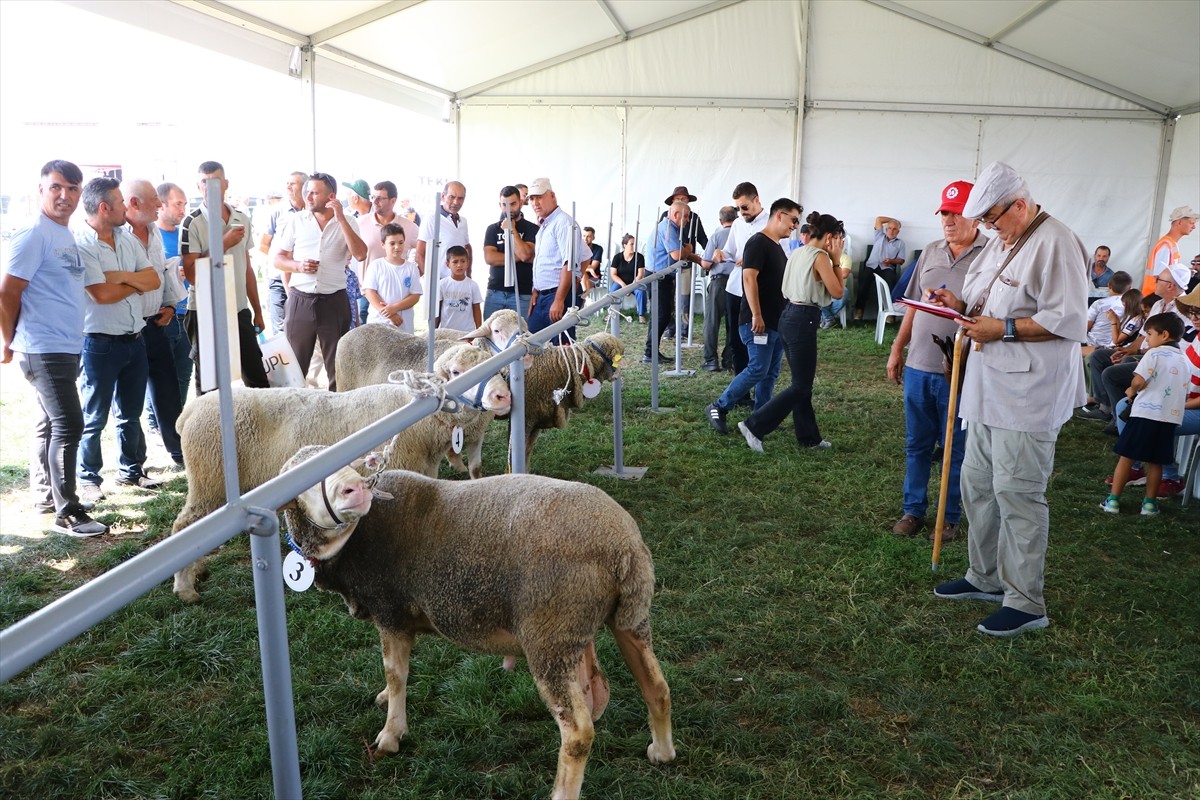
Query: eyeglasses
(795, 221)
(991, 223)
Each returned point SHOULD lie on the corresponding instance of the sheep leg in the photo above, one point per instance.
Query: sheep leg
(185, 582)
(185, 579)
(564, 697)
(475, 458)
(593, 681)
(397, 646)
(635, 649)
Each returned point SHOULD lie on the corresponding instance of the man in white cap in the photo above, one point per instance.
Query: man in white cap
(943, 263)
(1165, 252)
(553, 267)
(1026, 295)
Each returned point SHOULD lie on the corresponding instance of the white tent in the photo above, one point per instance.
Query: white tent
(854, 107)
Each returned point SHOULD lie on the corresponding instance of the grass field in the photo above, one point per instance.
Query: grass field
(806, 654)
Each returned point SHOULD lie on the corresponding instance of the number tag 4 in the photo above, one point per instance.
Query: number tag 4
(298, 574)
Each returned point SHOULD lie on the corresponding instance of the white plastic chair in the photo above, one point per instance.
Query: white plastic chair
(1187, 453)
(887, 310)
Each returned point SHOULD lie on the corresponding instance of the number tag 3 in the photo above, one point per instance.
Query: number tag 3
(298, 574)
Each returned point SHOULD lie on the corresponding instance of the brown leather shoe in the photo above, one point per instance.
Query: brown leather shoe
(949, 533)
(908, 525)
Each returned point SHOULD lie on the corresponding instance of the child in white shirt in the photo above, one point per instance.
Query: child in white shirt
(459, 297)
(392, 285)
(1157, 395)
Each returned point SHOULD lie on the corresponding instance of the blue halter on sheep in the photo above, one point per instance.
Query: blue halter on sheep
(464, 560)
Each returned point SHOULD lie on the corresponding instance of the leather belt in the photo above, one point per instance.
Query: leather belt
(117, 337)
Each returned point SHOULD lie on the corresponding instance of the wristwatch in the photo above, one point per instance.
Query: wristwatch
(1010, 330)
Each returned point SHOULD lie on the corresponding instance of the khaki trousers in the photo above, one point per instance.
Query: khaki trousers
(1004, 477)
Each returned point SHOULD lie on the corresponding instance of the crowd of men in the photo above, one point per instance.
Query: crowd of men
(120, 283)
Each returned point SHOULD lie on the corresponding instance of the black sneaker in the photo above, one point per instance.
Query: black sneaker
(962, 589)
(79, 525)
(140, 481)
(1009, 622)
(716, 417)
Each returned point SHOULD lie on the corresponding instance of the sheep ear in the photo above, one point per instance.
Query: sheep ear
(380, 494)
(527, 360)
(290, 505)
(482, 331)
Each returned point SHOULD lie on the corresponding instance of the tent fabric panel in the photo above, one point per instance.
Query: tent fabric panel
(577, 148)
(696, 58)
(432, 41)
(1097, 176)
(1072, 33)
(866, 53)
(1183, 181)
(710, 152)
(858, 165)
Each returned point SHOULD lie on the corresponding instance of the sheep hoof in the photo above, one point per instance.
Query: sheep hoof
(385, 742)
(660, 754)
(185, 590)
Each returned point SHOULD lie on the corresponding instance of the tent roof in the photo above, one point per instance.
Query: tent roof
(1141, 51)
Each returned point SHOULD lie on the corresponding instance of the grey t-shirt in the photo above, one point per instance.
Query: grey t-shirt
(936, 268)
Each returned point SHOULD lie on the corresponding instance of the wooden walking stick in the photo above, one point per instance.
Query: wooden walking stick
(948, 445)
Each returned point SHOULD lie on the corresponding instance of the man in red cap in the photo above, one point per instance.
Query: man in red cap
(943, 265)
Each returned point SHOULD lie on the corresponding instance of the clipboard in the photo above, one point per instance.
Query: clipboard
(940, 311)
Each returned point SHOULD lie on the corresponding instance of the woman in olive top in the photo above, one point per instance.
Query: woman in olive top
(810, 281)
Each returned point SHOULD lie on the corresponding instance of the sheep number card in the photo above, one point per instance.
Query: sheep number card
(298, 574)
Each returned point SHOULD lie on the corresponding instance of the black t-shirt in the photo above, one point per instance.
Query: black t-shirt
(495, 237)
(627, 270)
(764, 254)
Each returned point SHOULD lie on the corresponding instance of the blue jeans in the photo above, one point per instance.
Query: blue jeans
(182, 348)
(926, 403)
(540, 316)
(639, 295)
(58, 428)
(497, 300)
(831, 311)
(1189, 425)
(113, 370)
(277, 295)
(761, 372)
(162, 388)
(798, 335)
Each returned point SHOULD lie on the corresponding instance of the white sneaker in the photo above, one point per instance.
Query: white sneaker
(821, 445)
(752, 440)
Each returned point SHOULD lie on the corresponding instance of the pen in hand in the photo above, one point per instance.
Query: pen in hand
(932, 292)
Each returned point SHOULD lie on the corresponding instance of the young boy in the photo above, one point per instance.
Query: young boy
(1157, 395)
(392, 285)
(1100, 330)
(459, 297)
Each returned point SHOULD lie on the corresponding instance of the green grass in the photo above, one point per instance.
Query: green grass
(806, 654)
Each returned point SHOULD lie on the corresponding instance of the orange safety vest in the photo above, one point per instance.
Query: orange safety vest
(1173, 258)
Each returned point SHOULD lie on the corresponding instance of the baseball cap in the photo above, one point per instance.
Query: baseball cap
(954, 197)
(360, 188)
(1178, 273)
(540, 186)
(1184, 212)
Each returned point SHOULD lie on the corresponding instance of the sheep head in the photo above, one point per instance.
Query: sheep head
(331, 509)
(495, 397)
(501, 328)
(604, 352)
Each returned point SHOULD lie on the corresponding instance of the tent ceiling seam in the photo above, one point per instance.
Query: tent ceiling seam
(981, 110)
(606, 7)
(1018, 21)
(359, 20)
